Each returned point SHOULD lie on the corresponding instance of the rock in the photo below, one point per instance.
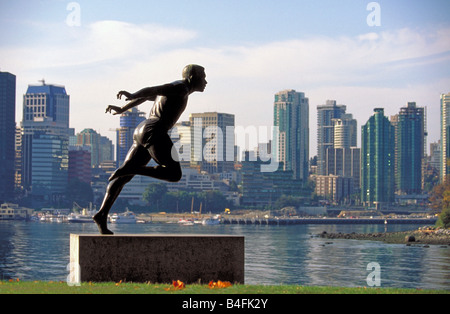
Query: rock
(410, 238)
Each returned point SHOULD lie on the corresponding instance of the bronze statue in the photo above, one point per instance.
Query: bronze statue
(151, 139)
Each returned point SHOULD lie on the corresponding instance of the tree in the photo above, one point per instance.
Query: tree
(79, 192)
(437, 195)
(440, 202)
(154, 193)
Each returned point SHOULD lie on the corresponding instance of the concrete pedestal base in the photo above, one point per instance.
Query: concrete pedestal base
(156, 258)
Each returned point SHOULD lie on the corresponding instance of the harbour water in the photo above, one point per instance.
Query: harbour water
(274, 255)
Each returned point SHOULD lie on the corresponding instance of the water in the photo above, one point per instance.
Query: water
(274, 254)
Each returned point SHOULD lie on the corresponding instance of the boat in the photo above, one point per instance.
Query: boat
(58, 218)
(186, 222)
(79, 218)
(84, 217)
(211, 221)
(127, 217)
(10, 211)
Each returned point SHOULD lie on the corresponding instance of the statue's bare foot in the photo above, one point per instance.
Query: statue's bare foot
(100, 220)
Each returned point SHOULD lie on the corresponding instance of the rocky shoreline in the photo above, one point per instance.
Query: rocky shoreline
(425, 235)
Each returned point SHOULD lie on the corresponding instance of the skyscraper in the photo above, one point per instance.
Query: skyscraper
(45, 124)
(216, 140)
(291, 116)
(100, 147)
(7, 135)
(128, 122)
(326, 117)
(445, 135)
(409, 149)
(377, 160)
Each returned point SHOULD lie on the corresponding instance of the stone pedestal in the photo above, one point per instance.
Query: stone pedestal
(156, 258)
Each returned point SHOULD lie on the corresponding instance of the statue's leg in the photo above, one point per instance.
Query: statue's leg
(137, 155)
(112, 192)
(167, 169)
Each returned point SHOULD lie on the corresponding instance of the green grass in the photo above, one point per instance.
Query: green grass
(43, 287)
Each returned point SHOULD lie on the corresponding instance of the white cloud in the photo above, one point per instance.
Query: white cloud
(364, 71)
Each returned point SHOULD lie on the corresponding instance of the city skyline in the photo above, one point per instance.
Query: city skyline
(329, 51)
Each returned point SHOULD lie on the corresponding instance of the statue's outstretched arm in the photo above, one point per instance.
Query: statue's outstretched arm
(128, 106)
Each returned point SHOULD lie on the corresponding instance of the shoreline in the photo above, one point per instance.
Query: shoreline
(425, 235)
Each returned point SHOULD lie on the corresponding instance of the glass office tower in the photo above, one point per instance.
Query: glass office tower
(377, 160)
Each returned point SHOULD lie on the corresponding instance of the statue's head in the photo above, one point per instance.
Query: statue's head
(196, 77)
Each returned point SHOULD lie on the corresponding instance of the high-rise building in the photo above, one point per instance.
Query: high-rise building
(265, 188)
(128, 122)
(410, 145)
(7, 135)
(345, 132)
(326, 120)
(377, 160)
(80, 164)
(445, 135)
(100, 147)
(344, 162)
(46, 103)
(212, 141)
(291, 116)
(50, 165)
(45, 124)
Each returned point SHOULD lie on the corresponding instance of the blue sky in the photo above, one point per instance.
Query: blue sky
(251, 50)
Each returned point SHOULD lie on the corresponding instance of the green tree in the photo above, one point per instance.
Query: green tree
(440, 202)
(80, 192)
(153, 194)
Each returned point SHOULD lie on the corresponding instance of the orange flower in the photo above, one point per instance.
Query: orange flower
(176, 285)
(219, 284)
(118, 284)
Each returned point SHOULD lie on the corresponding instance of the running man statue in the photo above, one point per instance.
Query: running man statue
(151, 139)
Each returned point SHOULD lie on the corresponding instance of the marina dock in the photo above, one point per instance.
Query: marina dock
(328, 221)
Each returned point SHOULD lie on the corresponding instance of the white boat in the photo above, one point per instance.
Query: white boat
(53, 218)
(124, 218)
(211, 221)
(84, 217)
(77, 218)
(186, 222)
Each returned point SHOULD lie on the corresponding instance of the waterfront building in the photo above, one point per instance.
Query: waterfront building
(18, 159)
(100, 147)
(410, 146)
(7, 135)
(291, 116)
(14, 212)
(326, 120)
(335, 188)
(345, 131)
(377, 160)
(344, 162)
(50, 165)
(445, 136)
(80, 164)
(45, 139)
(262, 189)
(435, 155)
(212, 141)
(128, 122)
(338, 159)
